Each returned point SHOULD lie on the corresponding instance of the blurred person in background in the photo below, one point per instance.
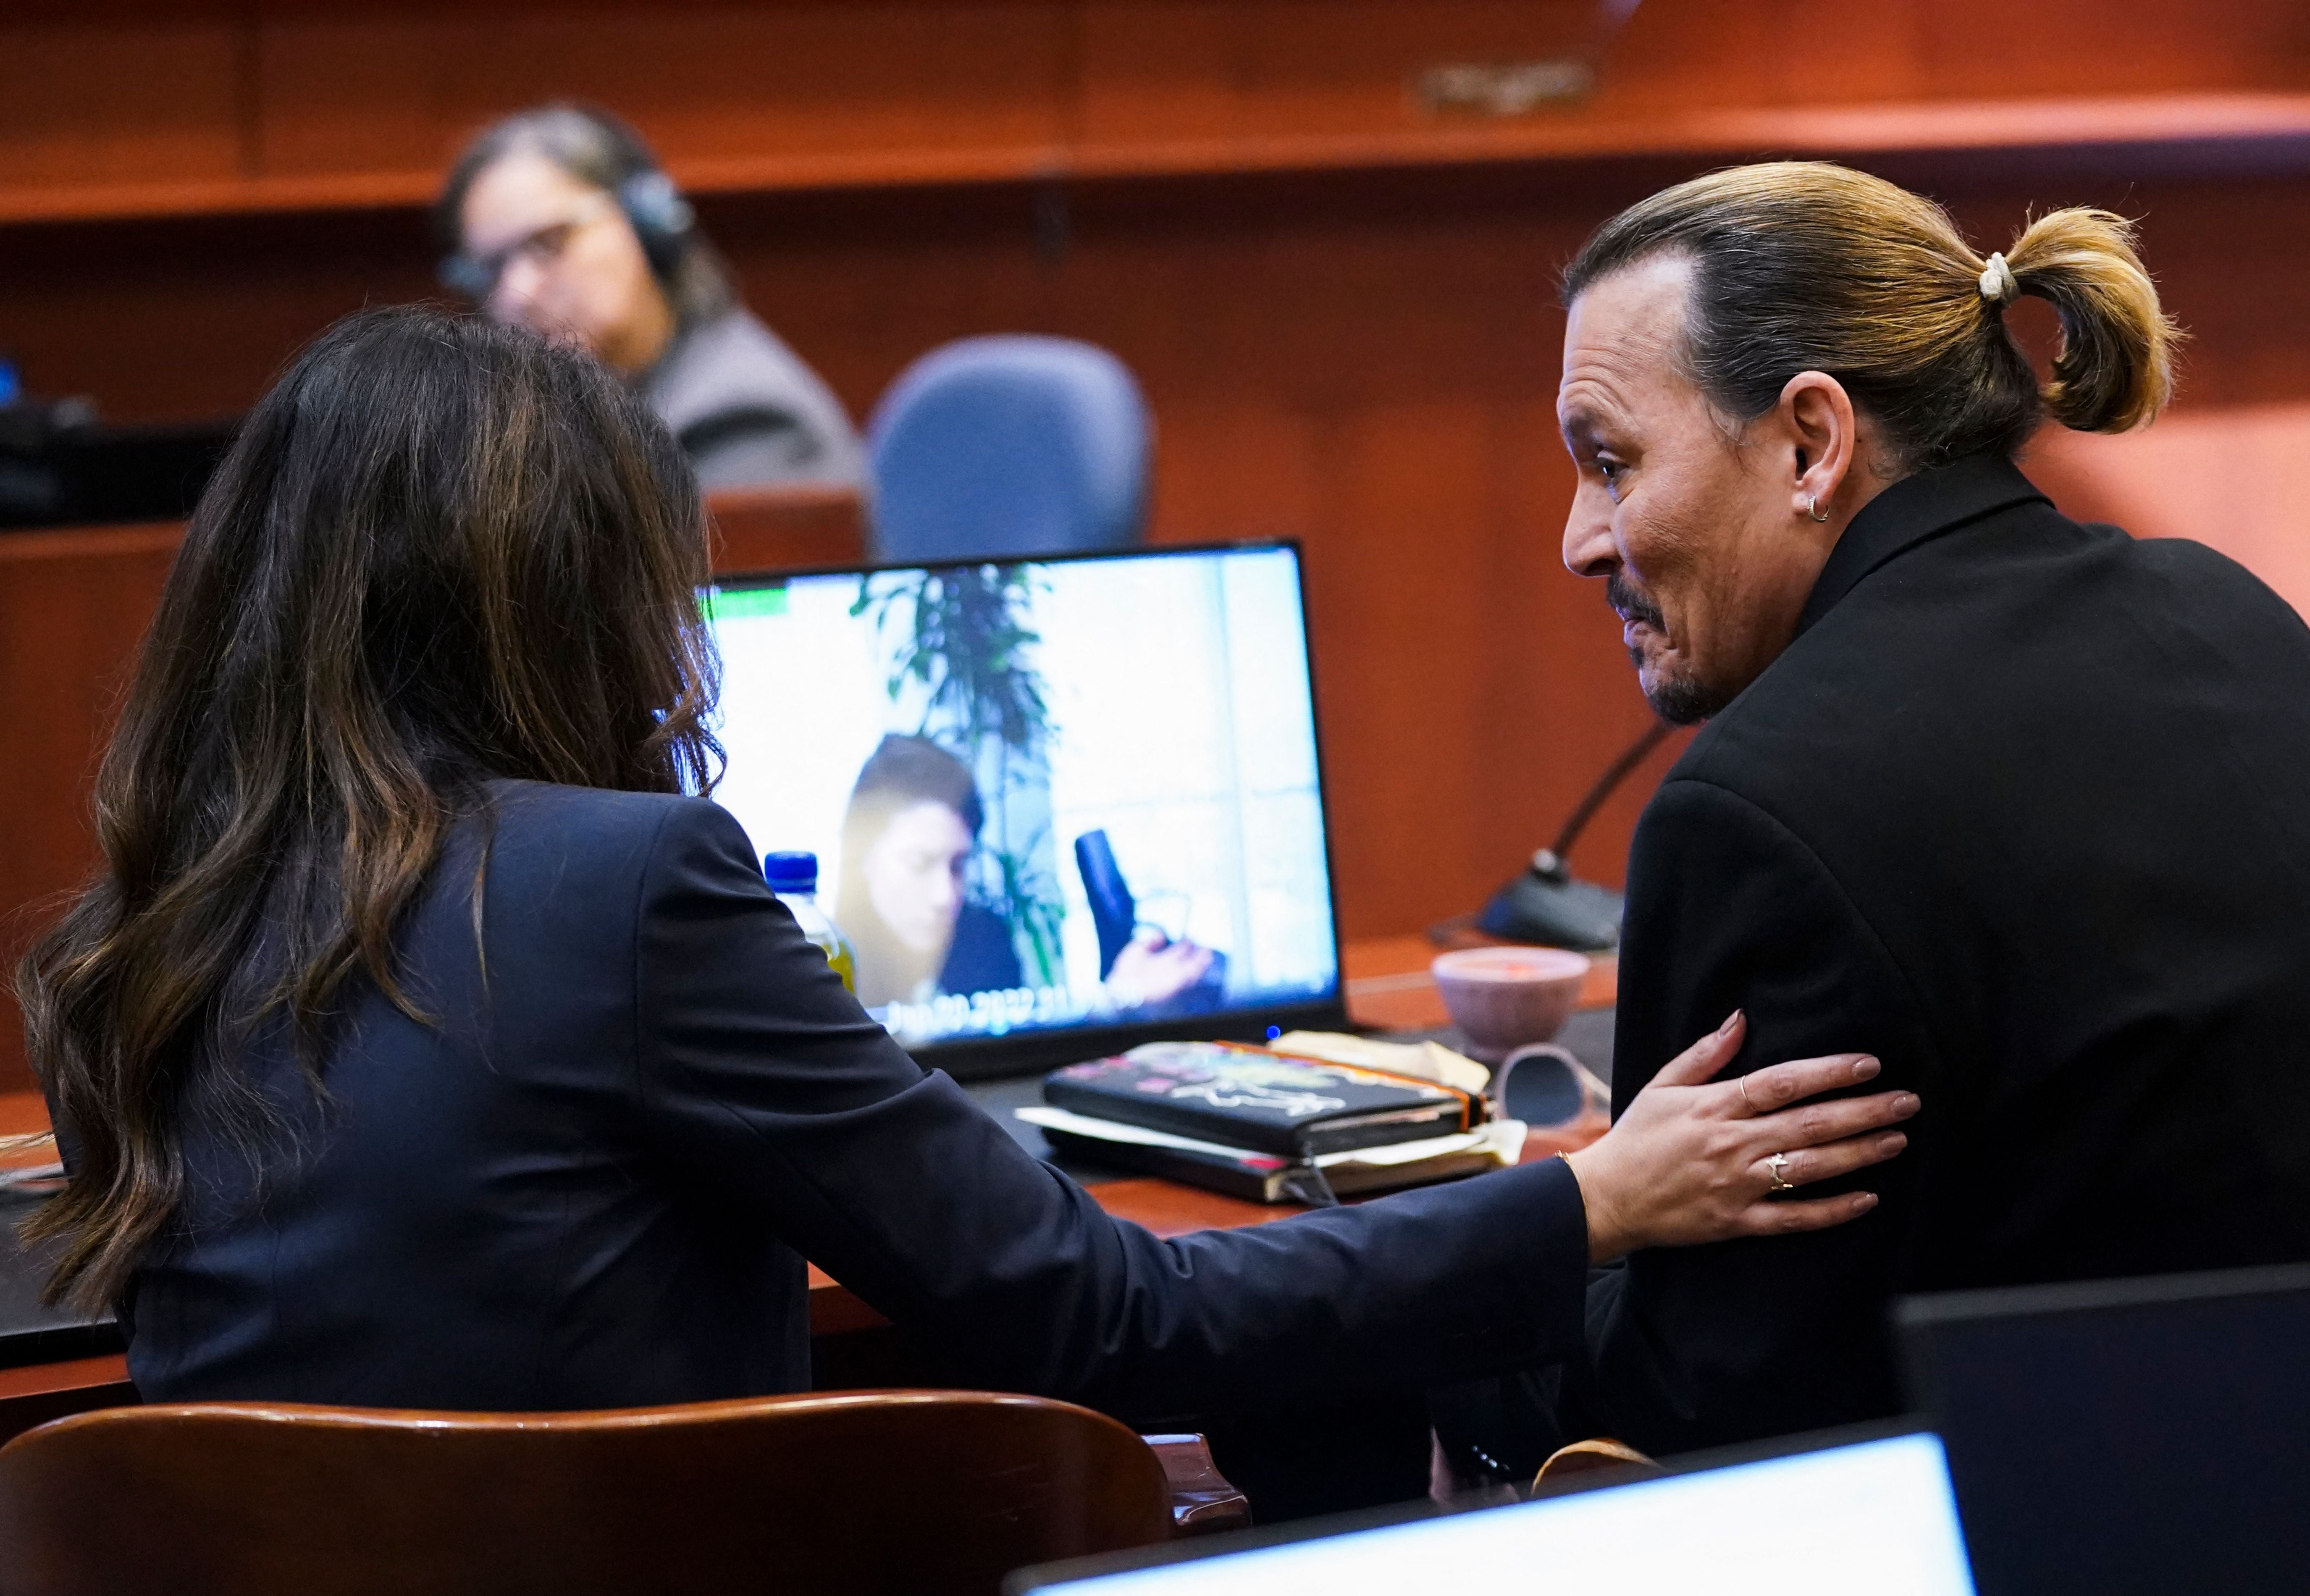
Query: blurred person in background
(561, 219)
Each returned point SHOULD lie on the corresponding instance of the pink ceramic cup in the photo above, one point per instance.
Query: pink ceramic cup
(1506, 998)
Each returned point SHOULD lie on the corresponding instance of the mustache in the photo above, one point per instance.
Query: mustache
(1630, 601)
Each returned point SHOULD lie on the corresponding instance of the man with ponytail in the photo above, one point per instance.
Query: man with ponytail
(2022, 806)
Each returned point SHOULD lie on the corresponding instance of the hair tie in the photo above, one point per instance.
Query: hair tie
(1997, 285)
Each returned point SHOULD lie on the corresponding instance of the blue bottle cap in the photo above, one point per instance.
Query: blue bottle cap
(791, 872)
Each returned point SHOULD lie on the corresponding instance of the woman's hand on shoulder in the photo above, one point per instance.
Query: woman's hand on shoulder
(1695, 1159)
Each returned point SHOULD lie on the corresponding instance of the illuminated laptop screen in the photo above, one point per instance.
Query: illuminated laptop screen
(1043, 796)
(1875, 1516)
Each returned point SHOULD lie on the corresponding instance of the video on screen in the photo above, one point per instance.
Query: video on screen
(1041, 795)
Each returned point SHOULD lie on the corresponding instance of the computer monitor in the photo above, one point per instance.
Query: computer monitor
(2148, 1434)
(1059, 806)
(1873, 1515)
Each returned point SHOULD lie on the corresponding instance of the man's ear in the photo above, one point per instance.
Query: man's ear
(1818, 417)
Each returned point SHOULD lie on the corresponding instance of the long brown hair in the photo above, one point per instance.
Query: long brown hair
(440, 552)
(1802, 266)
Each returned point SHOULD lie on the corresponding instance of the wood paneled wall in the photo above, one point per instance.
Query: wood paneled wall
(71, 613)
(1357, 353)
(116, 107)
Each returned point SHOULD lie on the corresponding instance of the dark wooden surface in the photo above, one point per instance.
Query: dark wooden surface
(33, 1395)
(73, 605)
(287, 106)
(862, 1492)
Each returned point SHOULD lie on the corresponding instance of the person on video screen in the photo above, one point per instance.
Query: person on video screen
(912, 820)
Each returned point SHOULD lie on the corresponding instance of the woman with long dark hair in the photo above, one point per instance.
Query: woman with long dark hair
(419, 1043)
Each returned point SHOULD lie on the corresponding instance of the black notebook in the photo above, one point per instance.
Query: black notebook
(1249, 1098)
(1265, 1177)
(1233, 1172)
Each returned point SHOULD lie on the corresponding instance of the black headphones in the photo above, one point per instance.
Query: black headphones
(660, 217)
(662, 220)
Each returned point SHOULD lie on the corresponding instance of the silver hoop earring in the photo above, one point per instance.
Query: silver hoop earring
(1812, 508)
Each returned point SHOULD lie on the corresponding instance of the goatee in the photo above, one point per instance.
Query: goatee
(1678, 700)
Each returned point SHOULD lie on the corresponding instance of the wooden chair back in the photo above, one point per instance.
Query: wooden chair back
(847, 1492)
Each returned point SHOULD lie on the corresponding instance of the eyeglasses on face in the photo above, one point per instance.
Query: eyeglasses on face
(476, 276)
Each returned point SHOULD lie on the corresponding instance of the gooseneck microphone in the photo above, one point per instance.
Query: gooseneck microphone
(1548, 904)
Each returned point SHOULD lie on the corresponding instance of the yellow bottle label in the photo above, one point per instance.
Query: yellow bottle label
(846, 967)
(838, 955)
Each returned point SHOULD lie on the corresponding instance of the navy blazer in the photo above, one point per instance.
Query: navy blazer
(592, 1176)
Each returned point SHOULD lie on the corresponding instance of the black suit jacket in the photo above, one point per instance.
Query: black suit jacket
(2023, 809)
(592, 1181)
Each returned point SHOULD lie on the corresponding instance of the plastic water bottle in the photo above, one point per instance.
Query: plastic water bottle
(794, 878)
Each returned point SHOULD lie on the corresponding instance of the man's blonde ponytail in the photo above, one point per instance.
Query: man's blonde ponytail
(2116, 368)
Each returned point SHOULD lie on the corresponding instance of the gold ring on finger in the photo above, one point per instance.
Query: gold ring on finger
(1743, 1081)
(1779, 1165)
